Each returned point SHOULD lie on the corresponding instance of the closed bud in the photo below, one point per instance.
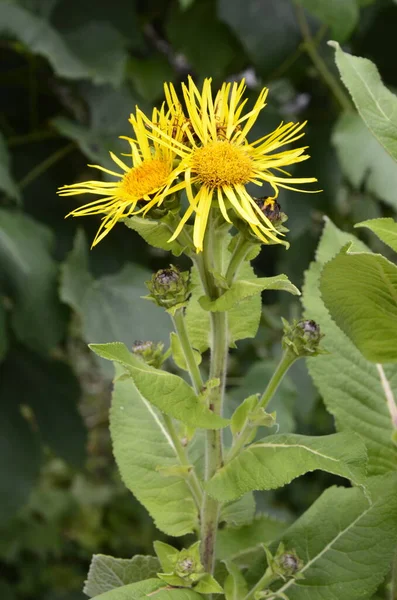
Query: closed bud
(150, 352)
(289, 563)
(302, 337)
(169, 288)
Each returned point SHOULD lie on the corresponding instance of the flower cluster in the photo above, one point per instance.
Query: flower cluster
(198, 143)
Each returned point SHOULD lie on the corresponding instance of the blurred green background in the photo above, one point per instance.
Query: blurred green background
(71, 72)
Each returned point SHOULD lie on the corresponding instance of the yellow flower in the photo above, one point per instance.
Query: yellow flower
(217, 161)
(140, 185)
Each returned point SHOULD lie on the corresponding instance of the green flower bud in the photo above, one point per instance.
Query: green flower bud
(169, 288)
(289, 563)
(150, 352)
(302, 337)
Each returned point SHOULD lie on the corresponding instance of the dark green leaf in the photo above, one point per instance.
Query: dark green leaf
(341, 15)
(7, 183)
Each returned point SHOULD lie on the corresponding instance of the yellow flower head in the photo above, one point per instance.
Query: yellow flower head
(143, 183)
(217, 161)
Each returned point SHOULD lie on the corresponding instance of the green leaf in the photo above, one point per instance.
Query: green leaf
(199, 26)
(178, 355)
(235, 585)
(376, 104)
(155, 233)
(269, 34)
(20, 453)
(107, 572)
(164, 553)
(349, 384)
(360, 292)
(148, 75)
(242, 289)
(168, 392)
(7, 182)
(135, 425)
(281, 458)
(133, 591)
(341, 15)
(385, 229)
(241, 413)
(110, 307)
(239, 512)
(208, 585)
(364, 162)
(30, 276)
(349, 554)
(233, 542)
(72, 55)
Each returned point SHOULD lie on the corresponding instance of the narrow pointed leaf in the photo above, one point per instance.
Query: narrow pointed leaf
(141, 445)
(281, 458)
(376, 104)
(168, 392)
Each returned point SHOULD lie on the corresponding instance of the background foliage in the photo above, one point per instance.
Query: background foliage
(71, 73)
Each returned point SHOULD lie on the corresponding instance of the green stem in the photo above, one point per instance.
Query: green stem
(287, 359)
(192, 479)
(240, 252)
(262, 584)
(329, 79)
(206, 264)
(194, 371)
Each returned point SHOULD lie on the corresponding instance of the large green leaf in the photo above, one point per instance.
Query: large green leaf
(233, 542)
(133, 591)
(107, 572)
(268, 31)
(72, 55)
(376, 104)
(348, 383)
(111, 308)
(281, 458)
(156, 233)
(245, 288)
(136, 426)
(168, 392)
(346, 542)
(364, 162)
(360, 292)
(7, 183)
(341, 15)
(235, 584)
(30, 278)
(385, 229)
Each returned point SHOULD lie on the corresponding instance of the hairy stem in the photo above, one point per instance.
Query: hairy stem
(192, 479)
(287, 359)
(329, 79)
(219, 351)
(194, 371)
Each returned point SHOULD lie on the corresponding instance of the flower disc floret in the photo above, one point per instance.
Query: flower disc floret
(220, 164)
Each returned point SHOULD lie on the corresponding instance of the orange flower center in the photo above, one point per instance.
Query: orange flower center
(145, 179)
(222, 163)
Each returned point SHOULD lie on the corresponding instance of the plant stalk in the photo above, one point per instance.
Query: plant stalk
(262, 584)
(287, 359)
(240, 252)
(194, 371)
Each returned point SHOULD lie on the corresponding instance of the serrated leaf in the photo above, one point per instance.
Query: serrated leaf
(360, 292)
(107, 572)
(111, 307)
(239, 512)
(349, 555)
(134, 425)
(340, 15)
(233, 542)
(349, 384)
(235, 585)
(30, 278)
(7, 182)
(376, 104)
(385, 229)
(155, 233)
(168, 392)
(364, 162)
(245, 288)
(281, 458)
